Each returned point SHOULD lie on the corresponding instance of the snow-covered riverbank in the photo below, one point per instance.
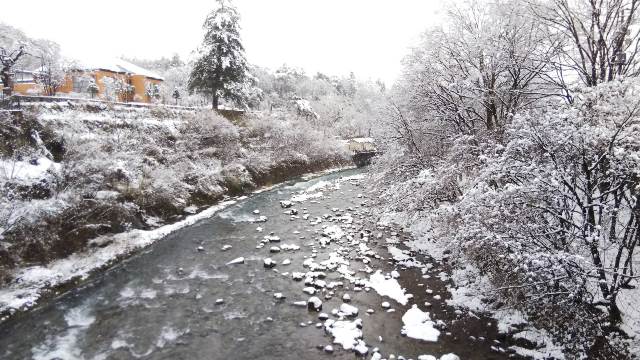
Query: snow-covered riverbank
(72, 174)
(313, 277)
(32, 283)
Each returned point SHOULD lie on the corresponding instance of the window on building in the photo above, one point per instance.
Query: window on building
(80, 83)
(23, 77)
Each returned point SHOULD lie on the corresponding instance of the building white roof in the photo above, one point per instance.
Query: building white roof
(116, 65)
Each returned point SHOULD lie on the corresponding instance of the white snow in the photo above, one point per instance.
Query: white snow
(26, 172)
(345, 333)
(387, 287)
(450, 356)
(418, 325)
(348, 310)
(334, 232)
(236, 261)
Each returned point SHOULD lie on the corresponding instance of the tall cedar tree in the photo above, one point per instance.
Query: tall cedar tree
(222, 68)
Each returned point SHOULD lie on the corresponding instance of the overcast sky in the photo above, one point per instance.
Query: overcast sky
(368, 37)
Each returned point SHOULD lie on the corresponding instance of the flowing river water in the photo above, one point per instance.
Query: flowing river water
(180, 299)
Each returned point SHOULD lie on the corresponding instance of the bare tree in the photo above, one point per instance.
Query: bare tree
(599, 39)
(8, 59)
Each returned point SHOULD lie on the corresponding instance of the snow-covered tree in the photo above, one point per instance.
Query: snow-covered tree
(53, 70)
(221, 70)
(286, 79)
(152, 91)
(555, 215)
(25, 53)
(8, 58)
(92, 88)
(512, 139)
(599, 38)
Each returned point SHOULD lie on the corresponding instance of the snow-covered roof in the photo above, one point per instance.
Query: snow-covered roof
(362, 140)
(116, 65)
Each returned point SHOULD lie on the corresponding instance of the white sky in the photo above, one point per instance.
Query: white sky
(368, 37)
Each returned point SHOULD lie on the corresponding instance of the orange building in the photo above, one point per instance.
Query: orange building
(115, 80)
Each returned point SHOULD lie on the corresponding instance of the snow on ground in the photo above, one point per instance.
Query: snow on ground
(629, 303)
(345, 333)
(468, 292)
(27, 172)
(402, 258)
(418, 325)
(387, 287)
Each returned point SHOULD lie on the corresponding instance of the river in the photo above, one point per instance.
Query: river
(181, 299)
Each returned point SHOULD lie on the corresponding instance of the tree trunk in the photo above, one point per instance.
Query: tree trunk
(615, 317)
(214, 101)
(6, 80)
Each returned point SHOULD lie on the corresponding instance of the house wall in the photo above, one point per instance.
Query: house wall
(100, 75)
(27, 88)
(138, 81)
(67, 86)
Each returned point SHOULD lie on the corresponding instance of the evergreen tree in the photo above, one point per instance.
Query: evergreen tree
(93, 88)
(176, 94)
(222, 69)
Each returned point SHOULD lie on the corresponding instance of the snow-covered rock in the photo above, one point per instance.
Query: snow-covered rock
(387, 287)
(235, 261)
(309, 290)
(269, 263)
(427, 357)
(314, 303)
(285, 204)
(450, 356)
(348, 310)
(272, 238)
(345, 333)
(418, 325)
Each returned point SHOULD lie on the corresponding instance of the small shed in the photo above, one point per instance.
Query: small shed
(363, 144)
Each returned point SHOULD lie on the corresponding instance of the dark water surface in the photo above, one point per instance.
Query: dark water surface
(161, 303)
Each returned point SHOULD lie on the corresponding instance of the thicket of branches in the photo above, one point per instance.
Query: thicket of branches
(517, 126)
